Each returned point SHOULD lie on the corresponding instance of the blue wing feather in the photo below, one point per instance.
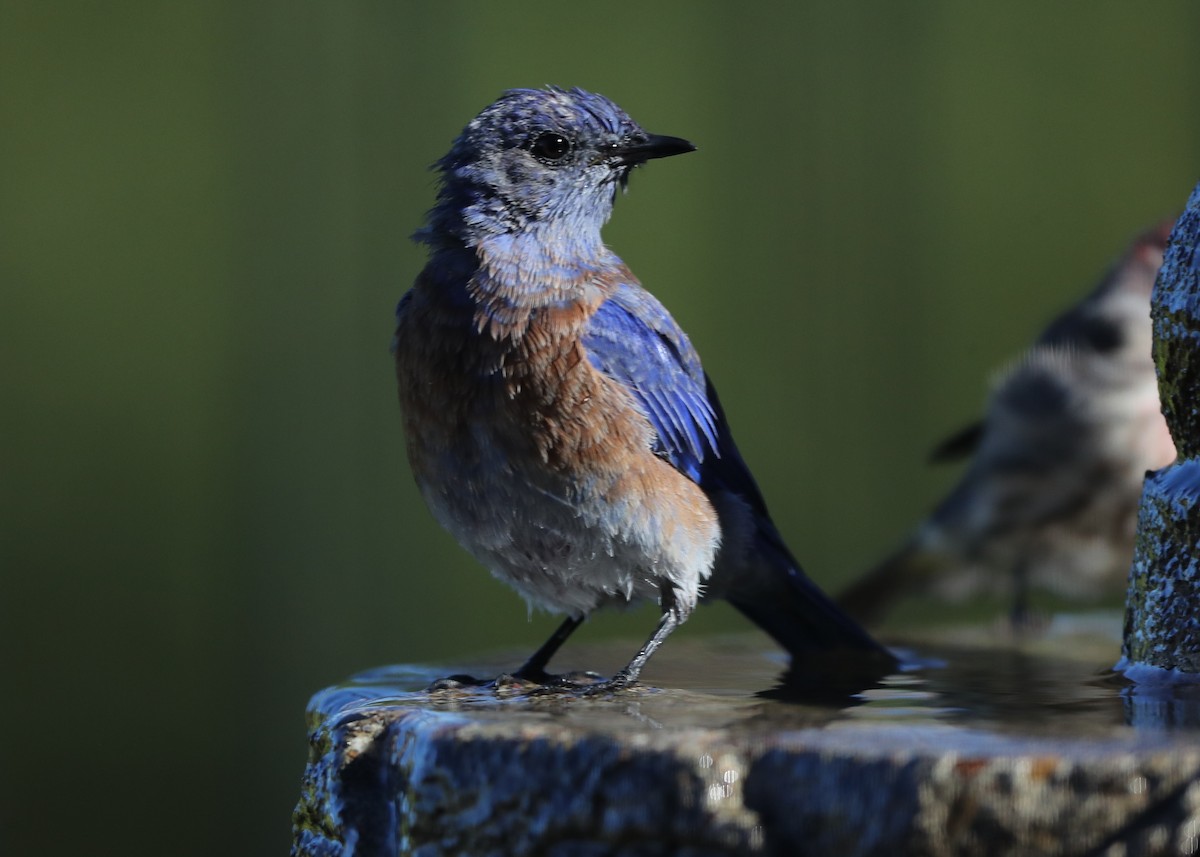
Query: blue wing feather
(633, 340)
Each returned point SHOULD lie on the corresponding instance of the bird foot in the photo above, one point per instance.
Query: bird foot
(572, 681)
(521, 681)
(616, 684)
(458, 681)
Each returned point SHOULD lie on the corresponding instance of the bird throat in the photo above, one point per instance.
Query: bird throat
(520, 275)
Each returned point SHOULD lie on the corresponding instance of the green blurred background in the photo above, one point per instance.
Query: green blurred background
(204, 213)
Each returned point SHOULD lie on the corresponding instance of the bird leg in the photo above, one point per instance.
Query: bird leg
(673, 615)
(534, 669)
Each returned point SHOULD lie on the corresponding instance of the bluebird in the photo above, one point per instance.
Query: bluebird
(1051, 495)
(559, 423)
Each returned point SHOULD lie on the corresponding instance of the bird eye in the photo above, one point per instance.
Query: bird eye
(550, 146)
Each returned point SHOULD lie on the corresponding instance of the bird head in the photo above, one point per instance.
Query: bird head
(537, 158)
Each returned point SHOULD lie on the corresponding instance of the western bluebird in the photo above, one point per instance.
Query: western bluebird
(559, 423)
(1051, 494)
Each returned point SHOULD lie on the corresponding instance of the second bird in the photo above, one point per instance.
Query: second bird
(559, 423)
(1050, 498)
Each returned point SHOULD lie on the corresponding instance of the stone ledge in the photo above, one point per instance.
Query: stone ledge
(400, 771)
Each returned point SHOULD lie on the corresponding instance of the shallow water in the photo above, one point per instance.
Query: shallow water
(978, 687)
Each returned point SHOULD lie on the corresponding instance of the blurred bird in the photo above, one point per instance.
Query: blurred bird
(559, 423)
(1051, 495)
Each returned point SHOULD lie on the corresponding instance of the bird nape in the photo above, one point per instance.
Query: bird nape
(558, 421)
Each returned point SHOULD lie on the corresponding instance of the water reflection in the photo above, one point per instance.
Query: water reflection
(1059, 686)
(1156, 699)
(1013, 690)
(1158, 708)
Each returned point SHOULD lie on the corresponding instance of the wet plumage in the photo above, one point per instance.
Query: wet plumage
(559, 422)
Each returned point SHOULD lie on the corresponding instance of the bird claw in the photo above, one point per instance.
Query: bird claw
(571, 680)
(527, 681)
(458, 681)
(616, 684)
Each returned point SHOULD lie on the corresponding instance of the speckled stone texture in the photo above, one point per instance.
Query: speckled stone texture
(677, 772)
(1162, 622)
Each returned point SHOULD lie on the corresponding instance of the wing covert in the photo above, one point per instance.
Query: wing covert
(633, 340)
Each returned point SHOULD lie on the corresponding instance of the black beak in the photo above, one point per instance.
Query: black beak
(638, 150)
